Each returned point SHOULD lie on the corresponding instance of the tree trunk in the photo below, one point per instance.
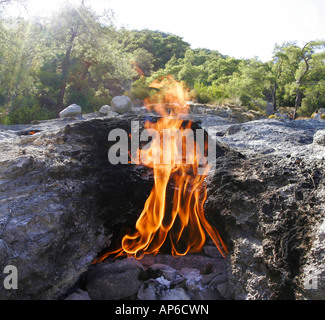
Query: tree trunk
(299, 96)
(274, 97)
(300, 81)
(65, 70)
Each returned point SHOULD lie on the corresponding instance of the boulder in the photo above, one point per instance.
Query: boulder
(55, 199)
(319, 138)
(104, 110)
(269, 136)
(121, 104)
(114, 281)
(71, 111)
(269, 209)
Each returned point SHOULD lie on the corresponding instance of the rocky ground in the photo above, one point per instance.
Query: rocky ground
(61, 204)
(161, 277)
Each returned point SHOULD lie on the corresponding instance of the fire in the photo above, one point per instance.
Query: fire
(179, 217)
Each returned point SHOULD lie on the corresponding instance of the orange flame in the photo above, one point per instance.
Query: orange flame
(137, 69)
(178, 218)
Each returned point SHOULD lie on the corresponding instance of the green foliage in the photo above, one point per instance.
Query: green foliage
(27, 110)
(314, 99)
(140, 89)
(69, 58)
(73, 57)
(143, 61)
(209, 94)
(162, 46)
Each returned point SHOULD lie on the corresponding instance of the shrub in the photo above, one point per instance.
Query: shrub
(26, 109)
(208, 94)
(140, 89)
(26, 114)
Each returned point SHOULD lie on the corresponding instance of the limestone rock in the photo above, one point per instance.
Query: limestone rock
(268, 136)
(163, 270)
(71, 111)
(208, 294)
(58, 202)
(176, 294)
(319, 138)
(78, 295)
(114, 281)
(61, 203)
(104, 110)
(149, 290)
(121, 104)
(268, 209)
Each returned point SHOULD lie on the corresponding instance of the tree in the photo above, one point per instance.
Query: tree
(221, 69)
(248, 84)
(162, 46)
(89, 62)
(73, 24)
(314, 91)
(20, 60)
(275, 69)
(304, 56)
(143, 61)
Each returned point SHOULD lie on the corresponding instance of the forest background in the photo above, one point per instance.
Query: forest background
(78, 56)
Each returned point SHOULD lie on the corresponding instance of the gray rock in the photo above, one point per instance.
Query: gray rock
(71, 111)
(219, 279)
(45, 227)
(269, 109)
(223, 289)
(163, 270)
(193, 279)
(114, 281)
(319, 137)
(270, 207)
(60, 201)
(55, 200)
(281, 137)
(176, 294)
(207, 294)
(149, 290)
(153, 289)
(104, 110)
(159, 289)
(121, 104)
(78, 295)
(312, 277)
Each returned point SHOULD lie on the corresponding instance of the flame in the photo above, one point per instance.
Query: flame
(179, 217)
(137, 69)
